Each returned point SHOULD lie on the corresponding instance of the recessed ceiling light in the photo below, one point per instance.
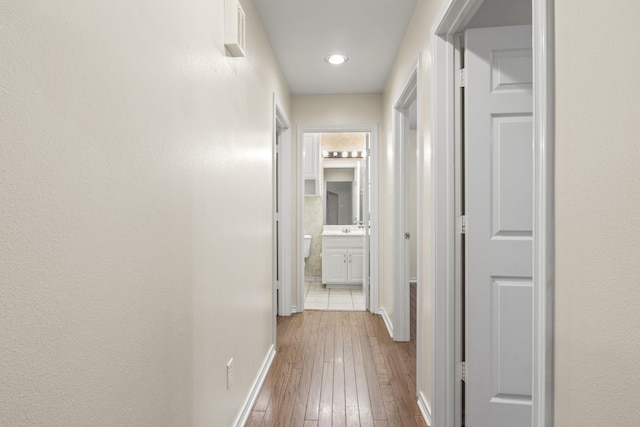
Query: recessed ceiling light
(336, 59)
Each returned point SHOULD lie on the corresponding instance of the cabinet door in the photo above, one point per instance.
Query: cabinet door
(311, 156)
(356, 258)
(334, 266)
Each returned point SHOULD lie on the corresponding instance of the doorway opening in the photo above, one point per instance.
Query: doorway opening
(337, 257)
(281, 214)
(407, 223)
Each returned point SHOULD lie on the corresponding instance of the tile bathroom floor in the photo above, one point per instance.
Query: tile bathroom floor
(318, 297)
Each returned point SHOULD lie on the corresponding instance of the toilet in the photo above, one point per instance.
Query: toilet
(307, 245)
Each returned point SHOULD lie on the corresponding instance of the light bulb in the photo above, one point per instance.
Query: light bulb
(336, 59)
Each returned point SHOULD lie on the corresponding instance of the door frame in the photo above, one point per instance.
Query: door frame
(453, 17)
(281, 252)
(409, 93)
(373, 238)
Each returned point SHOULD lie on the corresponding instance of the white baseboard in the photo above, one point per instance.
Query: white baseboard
(424, 408)
(255, 389)
(387, 321)
(294, 309)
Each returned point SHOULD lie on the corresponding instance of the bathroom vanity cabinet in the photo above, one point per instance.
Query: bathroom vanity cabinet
(342, 261)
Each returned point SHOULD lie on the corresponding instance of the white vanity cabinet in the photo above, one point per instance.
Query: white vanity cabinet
(342, 260)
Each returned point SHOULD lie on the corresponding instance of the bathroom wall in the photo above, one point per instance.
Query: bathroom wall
(124, 287)
(338, 174)
(339, 141)
(313, 220)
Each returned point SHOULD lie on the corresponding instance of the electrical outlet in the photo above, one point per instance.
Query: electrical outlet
(230, 373)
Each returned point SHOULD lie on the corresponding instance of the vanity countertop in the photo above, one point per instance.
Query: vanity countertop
(342, 233)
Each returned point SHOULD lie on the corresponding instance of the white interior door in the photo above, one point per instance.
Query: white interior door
(499, 211)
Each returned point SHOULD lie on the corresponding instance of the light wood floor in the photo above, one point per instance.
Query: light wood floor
(338, 369)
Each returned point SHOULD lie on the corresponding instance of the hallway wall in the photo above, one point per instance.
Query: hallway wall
(417, 41)
(597, 213)
(135, 212)
(325, 110)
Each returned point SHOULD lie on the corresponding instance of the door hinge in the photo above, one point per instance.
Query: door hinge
(461, 371)
(407, 235)
(461, 224)
(462, 77)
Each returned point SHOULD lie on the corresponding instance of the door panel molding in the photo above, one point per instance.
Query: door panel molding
(498, 195)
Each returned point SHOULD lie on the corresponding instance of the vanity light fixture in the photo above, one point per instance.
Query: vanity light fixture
(336, 59)
(342, 154)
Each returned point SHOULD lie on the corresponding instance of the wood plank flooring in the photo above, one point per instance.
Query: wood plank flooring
(337, 368)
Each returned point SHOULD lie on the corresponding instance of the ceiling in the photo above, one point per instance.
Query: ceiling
(304, 32)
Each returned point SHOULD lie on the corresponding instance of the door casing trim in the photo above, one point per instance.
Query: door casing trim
(452, 18)
(373, 238)
(281, 121)
(401, 305)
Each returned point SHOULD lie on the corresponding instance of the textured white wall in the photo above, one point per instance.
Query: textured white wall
(597, 213)
(124, 286)
(326, 110)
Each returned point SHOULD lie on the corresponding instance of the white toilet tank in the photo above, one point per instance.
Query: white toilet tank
(307, 245)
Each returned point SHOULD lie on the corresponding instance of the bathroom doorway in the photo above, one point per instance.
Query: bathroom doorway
(337, 268)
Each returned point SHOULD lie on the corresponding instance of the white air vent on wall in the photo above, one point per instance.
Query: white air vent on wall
(234, 36)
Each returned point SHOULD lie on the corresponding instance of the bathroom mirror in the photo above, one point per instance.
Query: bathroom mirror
(342, 193)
